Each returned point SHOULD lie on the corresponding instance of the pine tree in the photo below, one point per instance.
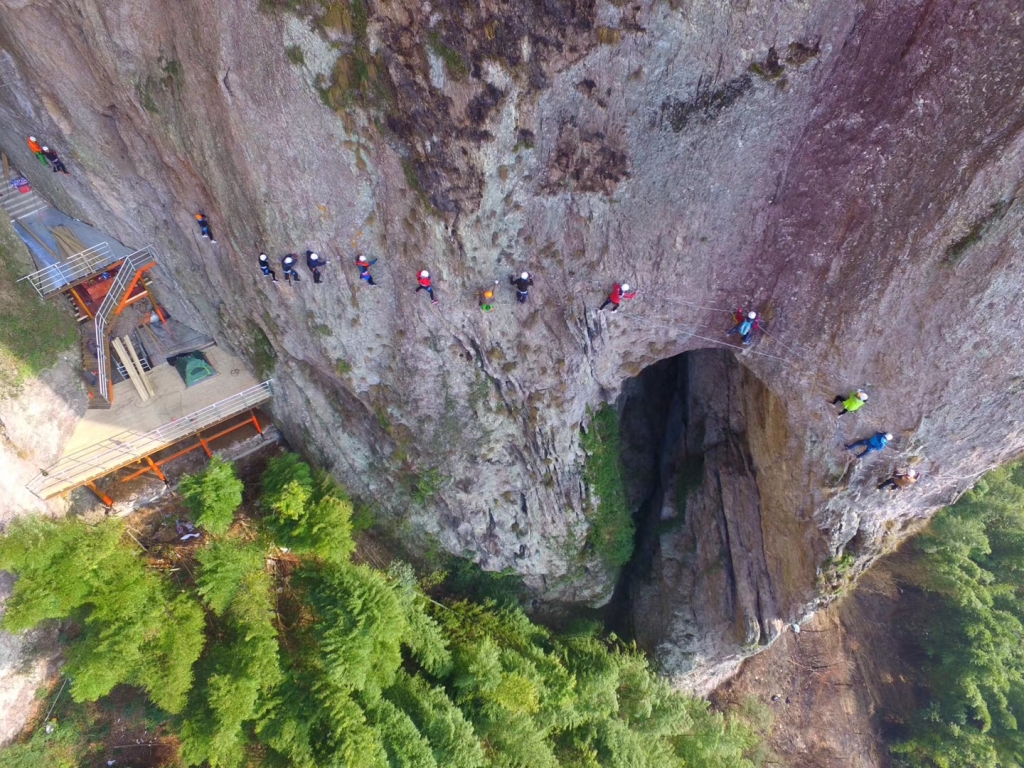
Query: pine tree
(242, 670)
(224, 565)
(287, 486)
(309, 512)
(134, 630)
(213, 495)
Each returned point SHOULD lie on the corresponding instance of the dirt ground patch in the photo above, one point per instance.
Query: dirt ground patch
(840, 686)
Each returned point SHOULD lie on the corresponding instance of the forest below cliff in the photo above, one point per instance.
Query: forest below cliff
(267, 645)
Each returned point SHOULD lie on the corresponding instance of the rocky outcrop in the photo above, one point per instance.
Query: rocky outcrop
(850, 169)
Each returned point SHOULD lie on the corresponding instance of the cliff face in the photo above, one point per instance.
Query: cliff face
(849, 169)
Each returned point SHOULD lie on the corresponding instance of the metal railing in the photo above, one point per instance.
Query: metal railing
(126, 447)
(143, 358)
(56, 277)
(124, 278)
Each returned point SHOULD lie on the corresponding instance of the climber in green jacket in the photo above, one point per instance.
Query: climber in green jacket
(855, 401)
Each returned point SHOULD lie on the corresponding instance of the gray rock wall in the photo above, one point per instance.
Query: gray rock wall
(851, 169)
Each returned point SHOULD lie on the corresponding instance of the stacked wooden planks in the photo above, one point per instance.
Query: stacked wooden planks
(130, 360)
(67, 241)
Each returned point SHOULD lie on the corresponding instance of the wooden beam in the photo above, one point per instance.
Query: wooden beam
(129, 368)
(138, 364)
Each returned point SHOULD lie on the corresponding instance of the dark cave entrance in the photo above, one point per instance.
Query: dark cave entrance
(684, 428)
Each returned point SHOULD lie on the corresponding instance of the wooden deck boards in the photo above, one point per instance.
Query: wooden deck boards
(172, 401)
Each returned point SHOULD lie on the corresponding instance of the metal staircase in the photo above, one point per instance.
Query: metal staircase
(18, 205)
(96, 359)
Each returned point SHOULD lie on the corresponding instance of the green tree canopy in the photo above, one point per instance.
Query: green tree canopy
(972, 569)
(213, 495)
(135, 629)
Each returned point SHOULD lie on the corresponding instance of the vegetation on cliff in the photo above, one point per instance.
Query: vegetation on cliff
(32, 331)
(970, 566)
(612, 528)
(275, 648)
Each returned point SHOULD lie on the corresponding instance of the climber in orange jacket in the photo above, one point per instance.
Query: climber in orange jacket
(37, 150)
(619, 292)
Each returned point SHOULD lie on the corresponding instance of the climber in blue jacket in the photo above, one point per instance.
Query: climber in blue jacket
(873, 444)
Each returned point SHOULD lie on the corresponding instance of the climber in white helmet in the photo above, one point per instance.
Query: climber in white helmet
(746, 324)
(852, 402)
(619, 292)
(315, 264)
(425, 285)
(55, 162)
(901, 478)
(872, 444)
(288, 263)
(522, 284)
(36, 150)
(264, 261)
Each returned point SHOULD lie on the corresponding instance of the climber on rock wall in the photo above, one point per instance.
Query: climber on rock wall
(265, 267)
(522, 284)
(873, 444)
(746, 324)
(852, 402)
(288, 263)
(424, 285)
(619, 292)
(36, 149)
(364, 268)
(901, 478)
(487, 299)
(315, 264)
(55, 160)
(204, 227)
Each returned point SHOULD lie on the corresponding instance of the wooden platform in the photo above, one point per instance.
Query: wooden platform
(105, 440)
(173, 400)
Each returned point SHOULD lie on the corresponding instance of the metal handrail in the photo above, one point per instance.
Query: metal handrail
(126, 447)
(124, 277)
(54, 277)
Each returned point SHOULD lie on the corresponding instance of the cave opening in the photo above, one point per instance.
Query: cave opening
(691, 483)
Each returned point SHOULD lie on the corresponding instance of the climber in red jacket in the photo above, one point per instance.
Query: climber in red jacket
(619, 292)
(364, 265)
(424, 280)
